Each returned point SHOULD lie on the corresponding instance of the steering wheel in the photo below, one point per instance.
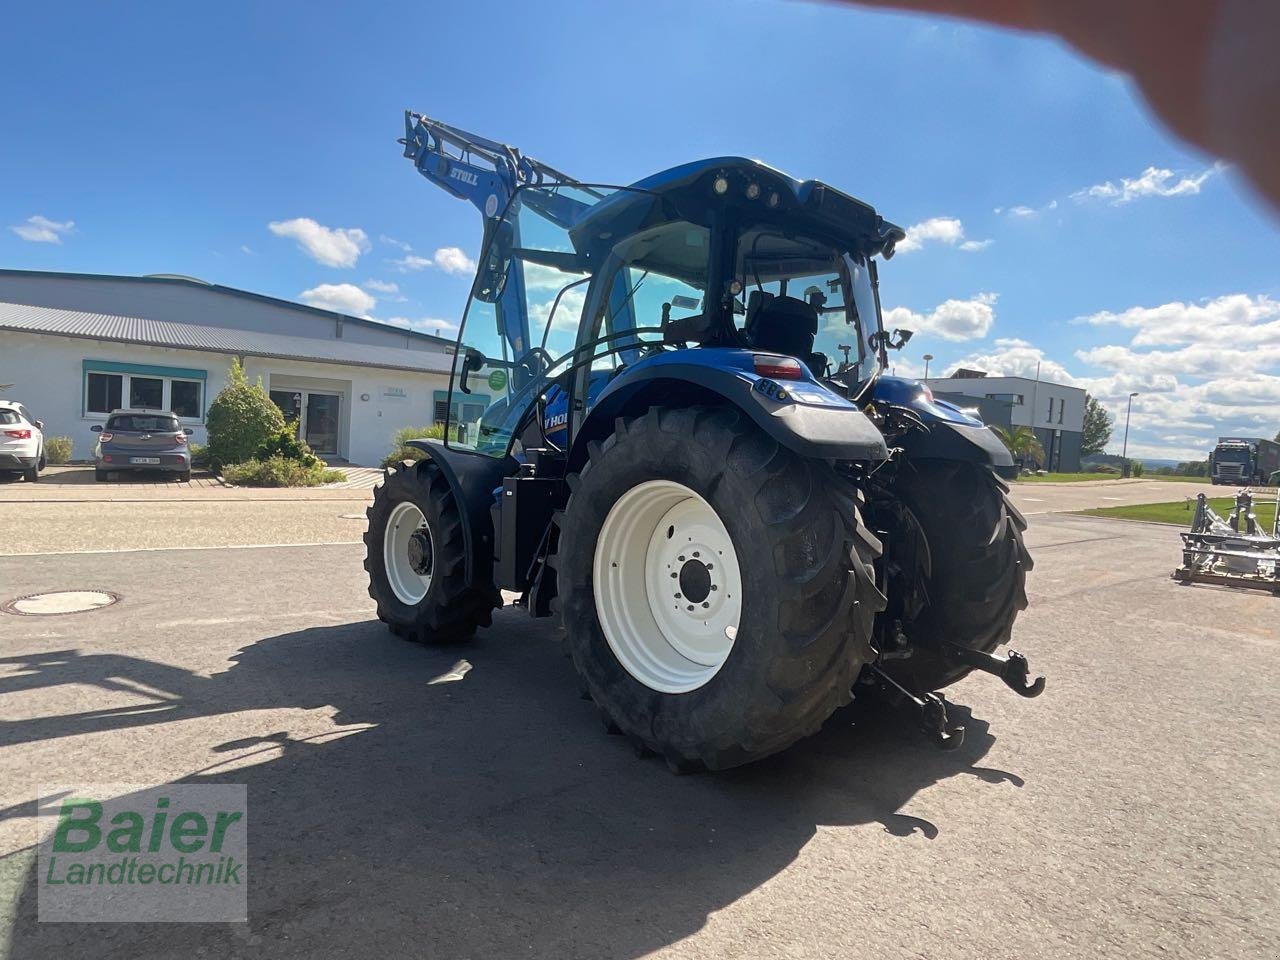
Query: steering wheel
(536, 361)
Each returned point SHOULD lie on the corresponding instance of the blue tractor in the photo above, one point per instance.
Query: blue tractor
(670, 425)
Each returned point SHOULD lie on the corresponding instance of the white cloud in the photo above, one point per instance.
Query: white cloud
(1022, 211)
(1201, 370)
(340, 297)
(1012, 357)
(951, 320)
(393, 242)
(1152, 182)
(1232, 320)
(247, 250)
(331, 246)
(386, 290)
(970, 246)
(539, 277)
(40, 229)
(453, 260)
(945, 230)
(448, 259)
(411, 262)
(434, 325)
(567, 313)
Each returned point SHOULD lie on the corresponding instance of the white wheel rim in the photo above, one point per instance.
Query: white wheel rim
(670, 624)
(407, 582)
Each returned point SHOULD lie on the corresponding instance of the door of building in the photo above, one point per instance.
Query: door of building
(314, 415)
(320, 422)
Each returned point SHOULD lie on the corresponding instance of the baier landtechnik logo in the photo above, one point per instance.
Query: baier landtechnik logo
(127, 853)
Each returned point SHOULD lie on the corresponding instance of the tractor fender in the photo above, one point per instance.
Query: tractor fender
(801, 415)
(951, 434)
(472, 479)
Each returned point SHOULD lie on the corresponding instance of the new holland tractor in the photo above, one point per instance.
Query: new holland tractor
(669, 424)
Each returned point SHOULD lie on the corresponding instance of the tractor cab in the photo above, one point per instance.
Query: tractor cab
(579, 282)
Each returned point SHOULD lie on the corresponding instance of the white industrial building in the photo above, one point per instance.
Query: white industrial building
(1054, 410)
(75, 346)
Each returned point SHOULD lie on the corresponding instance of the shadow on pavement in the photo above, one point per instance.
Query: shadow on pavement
(486, 817)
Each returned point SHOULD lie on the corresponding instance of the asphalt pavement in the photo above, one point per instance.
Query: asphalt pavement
(1131, 811)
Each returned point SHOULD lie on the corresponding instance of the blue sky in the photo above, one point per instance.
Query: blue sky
(1056, 220)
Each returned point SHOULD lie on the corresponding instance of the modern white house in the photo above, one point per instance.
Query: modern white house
(76, 346)
(1054, 410)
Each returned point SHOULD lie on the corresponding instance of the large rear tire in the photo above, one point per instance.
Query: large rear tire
(416, 559)
(679, 508)
(970, 578)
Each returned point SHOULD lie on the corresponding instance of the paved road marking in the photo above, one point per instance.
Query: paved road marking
(225, 546)
(1030, 500)
(1113, 498)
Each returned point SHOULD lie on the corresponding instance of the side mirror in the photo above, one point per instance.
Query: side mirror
(188, 431)
(40, 424)
(96, 428)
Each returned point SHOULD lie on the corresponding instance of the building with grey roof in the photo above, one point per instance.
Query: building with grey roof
(75, 346)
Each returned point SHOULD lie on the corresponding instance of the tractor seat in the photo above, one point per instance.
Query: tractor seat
(783, 325)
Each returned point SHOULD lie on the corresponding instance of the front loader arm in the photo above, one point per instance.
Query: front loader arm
(487, 174)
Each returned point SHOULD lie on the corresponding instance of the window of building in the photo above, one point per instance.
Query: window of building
(184, 398)
(1062, 405)
(146, 392)
(466, 410)
(104, 392)
(109, 385)
(1014, 398)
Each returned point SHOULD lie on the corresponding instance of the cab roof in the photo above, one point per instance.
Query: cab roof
(752, 191)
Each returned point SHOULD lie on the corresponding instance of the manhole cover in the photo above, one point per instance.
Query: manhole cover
(64, 601)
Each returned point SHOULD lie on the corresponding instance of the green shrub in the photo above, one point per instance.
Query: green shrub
(400, 439)
(241, 419)
(278, 471)
(57, 449)
(199, 456)
(1137, 468)
(287, 444)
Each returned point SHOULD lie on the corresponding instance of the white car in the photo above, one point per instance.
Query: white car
(21, 441)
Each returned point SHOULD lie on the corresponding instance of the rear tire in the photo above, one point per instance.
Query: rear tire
(419, 580)
(31, 475)
(100, 475)
(973, 570)
(803, 558)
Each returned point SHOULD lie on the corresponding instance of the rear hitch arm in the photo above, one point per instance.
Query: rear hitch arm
(930, 709)
(1014, 670)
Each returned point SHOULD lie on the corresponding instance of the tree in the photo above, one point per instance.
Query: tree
(241, 420)
(1023, 444)
(1097, 427)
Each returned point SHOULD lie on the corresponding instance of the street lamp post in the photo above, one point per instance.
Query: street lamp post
(1124, 453)
(927, 358)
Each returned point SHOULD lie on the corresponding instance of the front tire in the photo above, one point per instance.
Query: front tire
(733, 679)
(416, 559)
(969, 580)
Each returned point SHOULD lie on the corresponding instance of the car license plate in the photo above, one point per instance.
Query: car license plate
(155, 460)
